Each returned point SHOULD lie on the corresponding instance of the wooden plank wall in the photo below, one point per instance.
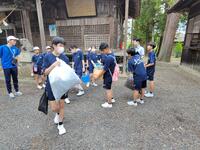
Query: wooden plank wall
(191, 52)
(88, 32)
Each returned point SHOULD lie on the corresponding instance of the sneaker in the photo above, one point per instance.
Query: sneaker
(11, 95)
(88, 84)
(149, 94)
(67, 101)
(94, 84)
(132, 103)
(61, 129)
(39, 87)
(113, 100)
(106, 105)
(18, 93)
(80, 93)
(140, 101)
(56, 119)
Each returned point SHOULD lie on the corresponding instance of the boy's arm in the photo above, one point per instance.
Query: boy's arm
(83, 62)
(149, 65)
(100, 73)
(1, 52)
(151, 61)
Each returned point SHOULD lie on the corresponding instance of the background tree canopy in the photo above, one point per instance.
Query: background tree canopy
(150, 25)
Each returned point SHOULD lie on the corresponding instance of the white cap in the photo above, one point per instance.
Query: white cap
(48, 47)
(36, 48)
(11, 38)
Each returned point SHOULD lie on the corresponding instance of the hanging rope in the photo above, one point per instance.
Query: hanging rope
(8, 14)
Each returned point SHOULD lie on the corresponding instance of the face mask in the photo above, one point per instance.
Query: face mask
(60, 50)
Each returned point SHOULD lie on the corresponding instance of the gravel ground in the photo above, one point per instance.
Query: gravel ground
(169, 121)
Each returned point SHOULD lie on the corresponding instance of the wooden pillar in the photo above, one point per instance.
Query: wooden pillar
(168, 37)
(125, 34)
(27, 26)
(41, 24)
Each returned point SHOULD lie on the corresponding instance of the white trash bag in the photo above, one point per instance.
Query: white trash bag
(62, 78)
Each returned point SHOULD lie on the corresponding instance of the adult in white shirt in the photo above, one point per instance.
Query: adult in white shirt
(138, 48)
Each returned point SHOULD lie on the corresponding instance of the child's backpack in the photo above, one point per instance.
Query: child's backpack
(115, 76)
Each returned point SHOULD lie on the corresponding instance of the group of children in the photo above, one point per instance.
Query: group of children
(37, 62)
(141, 71)
(50, 62)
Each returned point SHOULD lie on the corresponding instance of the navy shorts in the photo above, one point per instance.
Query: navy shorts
(50, 93)
(38, 72)
(150, 76)
(79, 73)
(139, 85)
(91, 69)
(107, 84)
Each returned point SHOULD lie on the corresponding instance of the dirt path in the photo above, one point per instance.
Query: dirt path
(169, 121)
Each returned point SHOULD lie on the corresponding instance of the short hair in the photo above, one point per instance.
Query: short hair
(131, 51)
(152, 44)
(103, 46)
(73, 46)
(137, 39)
(58, 40)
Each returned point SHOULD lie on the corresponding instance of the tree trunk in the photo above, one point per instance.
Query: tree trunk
(168, 37)
(125, 35)
(41, 24)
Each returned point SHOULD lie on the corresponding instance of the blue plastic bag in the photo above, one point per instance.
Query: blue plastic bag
(85, 78)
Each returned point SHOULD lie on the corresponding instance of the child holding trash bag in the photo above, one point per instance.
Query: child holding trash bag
(107, 72)
(92, 60)
(79, 65)
(50, 62)
(136, 66)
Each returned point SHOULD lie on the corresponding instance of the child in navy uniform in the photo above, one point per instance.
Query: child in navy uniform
(37, 67)
(107, 72)
(92, 59)
(136, 66)
(150, 68)
(79, 65)
(50, 62)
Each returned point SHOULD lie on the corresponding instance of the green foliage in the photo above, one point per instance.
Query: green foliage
(151, 23)
(177, 50)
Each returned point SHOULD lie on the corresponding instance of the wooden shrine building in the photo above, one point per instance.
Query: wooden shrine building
(191, 51)
(81, 22)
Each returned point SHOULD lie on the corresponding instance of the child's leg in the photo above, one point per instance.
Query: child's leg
(109, 96)
(36, 79)
(135, 95)
(144, 85)
(61, 110)
(54, 106)
(151, 86)
(142, 94)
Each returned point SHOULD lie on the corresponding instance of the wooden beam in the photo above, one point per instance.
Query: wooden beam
(27, 25)
(8, 8)
(41, 24)
(125, 35)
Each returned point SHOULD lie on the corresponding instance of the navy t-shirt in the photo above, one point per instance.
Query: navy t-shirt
(136, 66)
(77, 59)
(49, 59)
(109, 62)
(35, 58)
(6, 56)
(151, 60)
(92, 57)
